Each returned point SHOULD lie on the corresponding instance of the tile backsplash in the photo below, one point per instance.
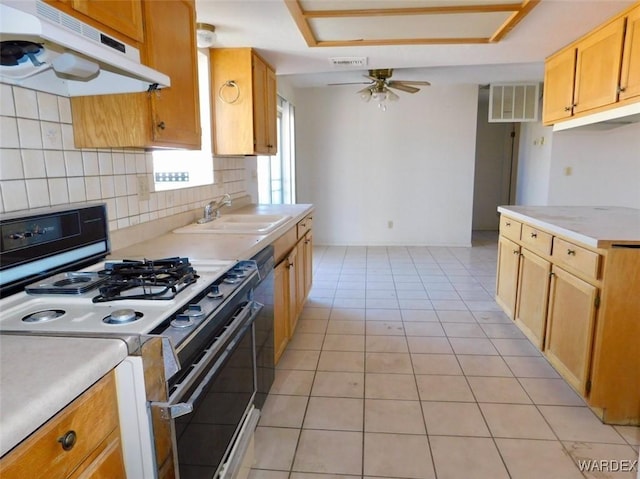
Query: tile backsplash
(40, 167)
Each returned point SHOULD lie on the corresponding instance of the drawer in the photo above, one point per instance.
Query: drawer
(576, 257)
(536, 240)
(304, 225)
(91, 418)
(510, 228)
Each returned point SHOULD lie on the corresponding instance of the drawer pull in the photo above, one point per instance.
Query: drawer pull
(303, 225)
(507, 224)
(68, 440)
(534, 235)
(571, 252)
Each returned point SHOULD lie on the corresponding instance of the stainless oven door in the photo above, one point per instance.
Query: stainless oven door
(211, 403)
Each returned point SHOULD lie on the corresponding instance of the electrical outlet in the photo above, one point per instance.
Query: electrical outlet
(143, 187)
(390, 224)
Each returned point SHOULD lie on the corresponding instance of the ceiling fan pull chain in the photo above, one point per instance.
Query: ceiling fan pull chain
(230, 84)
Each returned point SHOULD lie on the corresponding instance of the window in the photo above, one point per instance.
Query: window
(276, 174)
(173, 169)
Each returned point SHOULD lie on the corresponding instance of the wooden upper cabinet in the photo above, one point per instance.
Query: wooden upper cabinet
(121, 18)
(630, 77)
(243, 90)
(559, 74)
(598, 66)
(124, 16)
(171, 48)
(169, 117)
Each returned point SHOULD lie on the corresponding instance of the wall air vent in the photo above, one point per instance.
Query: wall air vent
(513, 102)
(348, 61)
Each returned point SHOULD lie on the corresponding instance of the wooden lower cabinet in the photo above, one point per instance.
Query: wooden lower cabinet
(532, 296)
(281, 308)
(293, 280)
(571, 318)
(507, 275)
(579, 304)
(89, 427)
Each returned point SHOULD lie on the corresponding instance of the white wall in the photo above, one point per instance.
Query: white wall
(412, 165)
(534, 164)
(605, 167)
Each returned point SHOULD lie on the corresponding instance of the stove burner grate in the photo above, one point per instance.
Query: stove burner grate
(149, 279)
(43, 316)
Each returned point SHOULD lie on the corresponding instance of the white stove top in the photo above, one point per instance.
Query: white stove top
(82, 315)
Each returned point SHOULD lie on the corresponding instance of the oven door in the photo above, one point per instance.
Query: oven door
(212, 402)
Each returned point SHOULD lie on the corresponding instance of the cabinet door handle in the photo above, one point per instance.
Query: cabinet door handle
(68, 440)
(621, 89)
(515, 251)
(567, 108)
(162, 125)
(571, 252)
(534, 235)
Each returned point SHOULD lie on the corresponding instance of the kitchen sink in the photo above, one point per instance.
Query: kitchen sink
(237, 224)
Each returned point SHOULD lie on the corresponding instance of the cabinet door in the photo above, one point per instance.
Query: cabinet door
(271, 111)
(171, 48)
(293, 269)
(105, 462)
(308, 263)
(630, 77)
(281, 308)
(259, 105)
(559, 72)
(301, 294)
(598, 67)
(571, 318)
(507, 275)
(532, 296)
(124, 16)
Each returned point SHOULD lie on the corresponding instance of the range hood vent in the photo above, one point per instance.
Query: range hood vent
(116, 64)
(604, 120)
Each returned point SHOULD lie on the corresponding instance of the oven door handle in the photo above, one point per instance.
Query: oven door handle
(173, 409)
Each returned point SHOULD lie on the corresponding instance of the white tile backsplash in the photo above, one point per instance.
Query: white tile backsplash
(40, 166)
(48, 107)
(11, 165)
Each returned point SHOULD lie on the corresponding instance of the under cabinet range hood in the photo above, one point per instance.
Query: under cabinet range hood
(45, 49)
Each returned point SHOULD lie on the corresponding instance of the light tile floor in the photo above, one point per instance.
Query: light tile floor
(403, 366)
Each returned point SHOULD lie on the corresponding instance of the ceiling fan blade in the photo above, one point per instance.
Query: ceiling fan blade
(409, 82)
(401, 87)
(350, 83)
(363, 90)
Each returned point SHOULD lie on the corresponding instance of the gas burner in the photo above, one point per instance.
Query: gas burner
(43, 316)
(74, 282)
(122, 316)
(149, 279)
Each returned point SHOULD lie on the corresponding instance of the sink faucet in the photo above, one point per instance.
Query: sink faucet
(212, 209)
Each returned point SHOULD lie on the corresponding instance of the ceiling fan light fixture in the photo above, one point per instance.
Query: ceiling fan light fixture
(366, 96)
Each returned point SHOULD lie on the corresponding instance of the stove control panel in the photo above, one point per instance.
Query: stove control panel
(214, 304)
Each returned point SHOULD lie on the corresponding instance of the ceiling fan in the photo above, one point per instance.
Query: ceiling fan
(380, 88)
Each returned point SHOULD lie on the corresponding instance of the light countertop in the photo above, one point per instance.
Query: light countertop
(39, 376)
(596, 226)
(216, 245)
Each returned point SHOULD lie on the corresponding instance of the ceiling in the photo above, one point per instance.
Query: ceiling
(470, 46)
